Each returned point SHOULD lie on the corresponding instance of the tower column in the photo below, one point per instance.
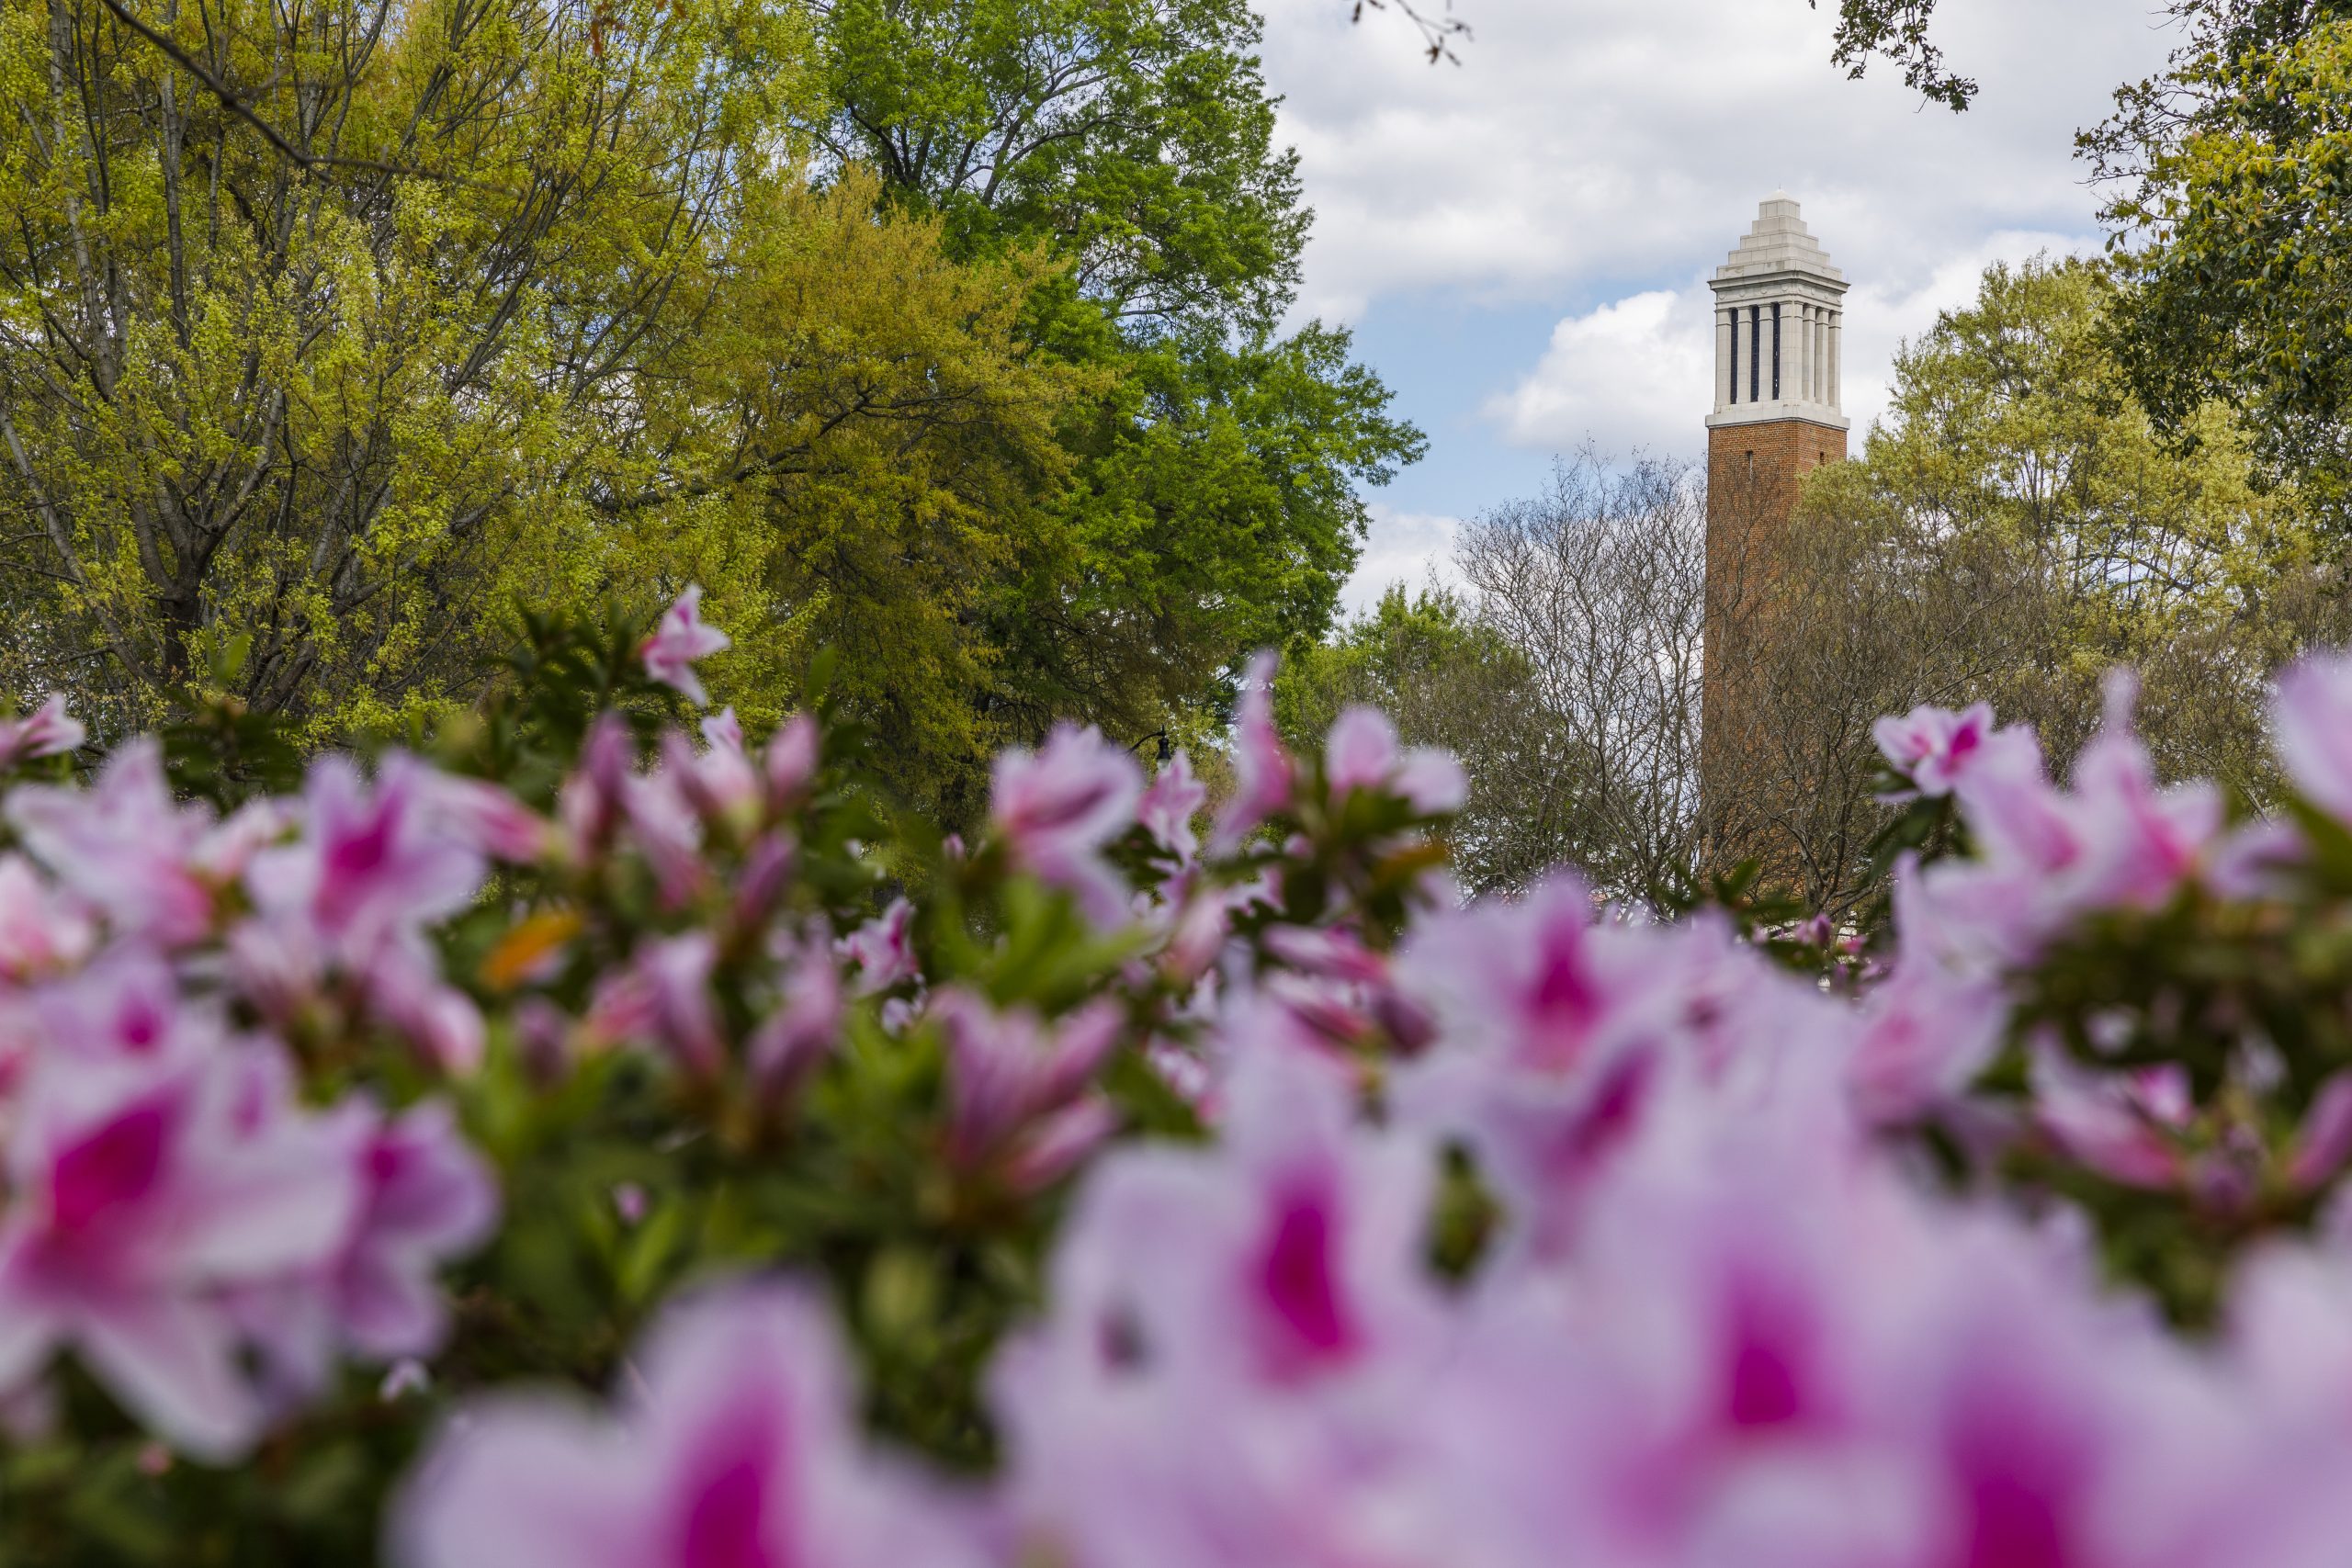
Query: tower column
(1723, 368)
(1800, 391)
(1821, 357)
(1836, 355)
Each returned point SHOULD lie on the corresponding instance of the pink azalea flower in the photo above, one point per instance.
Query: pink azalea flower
(666, 830)
(2289, 1348)
(2117, 1124)
(2325, 1142)
(1362, 752)
(804, 1027)
(1936, 748)
(406, 1378)
(1167, 807)
(374, 864)
(484, 817)
(44, 732)
(719, 782)
(403, 989)
(1018, 1089)
(662, 999)
(790, 765)
(1204, 919)
(1432, 782)
(2117, 841)
(1055, 808)
(2142, 842)
(1289, 1255)
(589, 805)
(124, 845)
(1926, 1032)
(2048, 1427)
(736, 1447)
(2313, 720)
(1262, 769)
(883, 949)
(41, 930)
(126, 1003)
(147, 1189)
(1270, 1294)
(763, 879)
(722, 731)
(1726, 1320)
(1563, 1042)
(679, 639)
(1326, 950)
(426, 1199)
(1534, 983)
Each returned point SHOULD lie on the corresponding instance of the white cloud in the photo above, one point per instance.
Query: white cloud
(1590, 141)
(1633, 375)
(1624, 377)
(1415, 548)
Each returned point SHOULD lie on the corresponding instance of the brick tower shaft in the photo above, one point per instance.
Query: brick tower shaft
(1780, 336)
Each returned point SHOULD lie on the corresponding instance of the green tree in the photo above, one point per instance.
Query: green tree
(466, 305)
(2234, 219)
(1213, 506)
(861, 453)
(2013, 422)
(2016, 526)
(336, 387)
(2230, 214)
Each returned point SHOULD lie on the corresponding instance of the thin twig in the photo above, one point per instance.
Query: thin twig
(1437, 32)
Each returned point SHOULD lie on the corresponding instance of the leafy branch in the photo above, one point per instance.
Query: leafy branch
(1898, 30)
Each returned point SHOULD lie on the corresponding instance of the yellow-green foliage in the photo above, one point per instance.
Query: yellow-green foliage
(540, 306)
(858, 453)
(2017, 469)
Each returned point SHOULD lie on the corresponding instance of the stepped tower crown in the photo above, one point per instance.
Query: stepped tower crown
(1779, 320)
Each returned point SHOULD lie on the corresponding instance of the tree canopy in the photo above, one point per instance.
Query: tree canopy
(1213, 507)
(948, 337)
(2225, 200)
(2230, 208)
(334, 408)
(2016, 527)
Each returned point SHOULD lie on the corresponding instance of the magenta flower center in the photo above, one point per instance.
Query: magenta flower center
(1763, 1383)
(2013, 1525)
(114, 1167)
(723, 1530)
(1300, 1286)
(353, 863)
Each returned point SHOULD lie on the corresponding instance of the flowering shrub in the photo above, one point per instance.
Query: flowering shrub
(559, 1140)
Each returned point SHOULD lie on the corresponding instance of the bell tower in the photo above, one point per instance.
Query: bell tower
(1780, 326)
(1779, 330)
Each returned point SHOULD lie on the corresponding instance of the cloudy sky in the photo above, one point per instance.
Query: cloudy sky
(1521, 243)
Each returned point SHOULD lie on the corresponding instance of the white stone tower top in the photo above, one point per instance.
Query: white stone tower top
(1779, 324)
